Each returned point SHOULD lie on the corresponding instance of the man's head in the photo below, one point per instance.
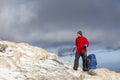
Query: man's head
(79, 33)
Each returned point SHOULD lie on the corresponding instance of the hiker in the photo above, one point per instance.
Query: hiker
(81, 50)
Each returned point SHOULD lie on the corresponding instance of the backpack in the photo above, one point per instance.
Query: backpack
(91, 61)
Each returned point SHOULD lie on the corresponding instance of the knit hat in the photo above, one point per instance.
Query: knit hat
(79, 32)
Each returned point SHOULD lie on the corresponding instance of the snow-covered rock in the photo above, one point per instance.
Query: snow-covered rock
(21, 61)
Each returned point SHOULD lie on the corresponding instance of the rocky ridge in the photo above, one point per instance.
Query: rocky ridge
(21, 61)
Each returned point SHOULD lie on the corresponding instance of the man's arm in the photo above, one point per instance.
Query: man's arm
(86, 43)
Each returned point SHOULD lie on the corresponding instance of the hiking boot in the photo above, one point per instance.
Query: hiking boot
(85, 69)
(75, 68)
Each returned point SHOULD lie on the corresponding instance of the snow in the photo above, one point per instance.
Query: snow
(24, 62)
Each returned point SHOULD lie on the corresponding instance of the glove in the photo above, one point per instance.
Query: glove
(85, 45)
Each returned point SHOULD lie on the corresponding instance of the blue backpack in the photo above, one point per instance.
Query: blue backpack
(91, 61)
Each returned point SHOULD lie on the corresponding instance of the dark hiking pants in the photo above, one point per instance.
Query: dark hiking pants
(84, 60)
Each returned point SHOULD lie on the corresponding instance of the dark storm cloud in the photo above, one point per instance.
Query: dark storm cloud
(55, 22)
(90, 13)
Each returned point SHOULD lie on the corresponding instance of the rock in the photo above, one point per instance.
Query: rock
(3, 47)
(21, 61)
(92, 72)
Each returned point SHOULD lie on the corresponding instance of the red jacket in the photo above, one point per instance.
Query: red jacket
(80, 41)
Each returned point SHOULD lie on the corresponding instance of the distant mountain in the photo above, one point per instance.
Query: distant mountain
(21, 61)
(65, 51)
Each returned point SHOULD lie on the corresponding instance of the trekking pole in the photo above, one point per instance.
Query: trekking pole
(73, 51)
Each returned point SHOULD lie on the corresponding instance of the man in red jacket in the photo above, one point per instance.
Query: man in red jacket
(81, 50)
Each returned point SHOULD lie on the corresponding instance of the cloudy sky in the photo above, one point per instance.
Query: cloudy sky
(53, 23)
